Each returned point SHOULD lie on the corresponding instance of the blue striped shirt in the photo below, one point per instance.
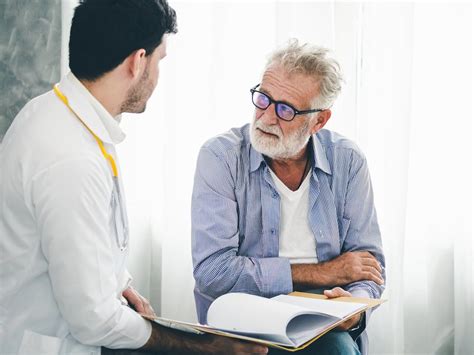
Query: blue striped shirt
(236, 216)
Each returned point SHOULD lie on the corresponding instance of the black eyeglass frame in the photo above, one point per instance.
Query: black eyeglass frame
(297, 112)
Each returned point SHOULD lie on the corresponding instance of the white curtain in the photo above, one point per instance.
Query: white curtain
(407, 102)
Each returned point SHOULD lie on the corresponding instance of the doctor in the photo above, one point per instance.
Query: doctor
(63, 223)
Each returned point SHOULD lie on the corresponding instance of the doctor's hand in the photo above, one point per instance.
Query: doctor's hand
(351, 322)
(138, 302)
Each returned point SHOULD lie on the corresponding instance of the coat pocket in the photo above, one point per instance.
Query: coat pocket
(35, 343)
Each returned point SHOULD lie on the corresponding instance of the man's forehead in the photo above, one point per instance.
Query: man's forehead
(277, 80)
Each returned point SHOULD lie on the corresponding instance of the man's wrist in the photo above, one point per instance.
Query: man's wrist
(306, 276)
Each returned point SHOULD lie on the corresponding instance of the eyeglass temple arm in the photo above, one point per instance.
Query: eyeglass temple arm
(309, 111)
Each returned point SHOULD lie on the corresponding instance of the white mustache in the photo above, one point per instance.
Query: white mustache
(268, 129)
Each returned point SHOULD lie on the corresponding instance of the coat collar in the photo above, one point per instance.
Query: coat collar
(90, 110)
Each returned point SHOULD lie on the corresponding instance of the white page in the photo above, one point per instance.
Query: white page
(305, 327)
(334, 308)
(252, 315)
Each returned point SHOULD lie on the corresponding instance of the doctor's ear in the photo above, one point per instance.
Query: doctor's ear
(320, 120)
(136, 63)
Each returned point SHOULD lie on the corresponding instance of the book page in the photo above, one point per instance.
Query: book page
(332, 308)
(305, 327)
(253, 315)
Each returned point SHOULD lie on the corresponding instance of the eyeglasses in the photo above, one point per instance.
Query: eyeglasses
(284, 111)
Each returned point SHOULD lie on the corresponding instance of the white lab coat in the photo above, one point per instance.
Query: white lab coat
(61, 270)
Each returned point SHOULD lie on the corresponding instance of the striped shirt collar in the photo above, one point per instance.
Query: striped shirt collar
(319, 156)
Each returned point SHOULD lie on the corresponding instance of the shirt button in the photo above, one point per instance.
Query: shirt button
(275, 195)
(273, 231)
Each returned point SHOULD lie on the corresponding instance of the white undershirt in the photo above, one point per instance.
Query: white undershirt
(297, 242)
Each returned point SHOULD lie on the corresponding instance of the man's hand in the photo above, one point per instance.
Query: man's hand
(356, 266)
(351, 322)
(138, 302)
(340, 271)
(176, 342)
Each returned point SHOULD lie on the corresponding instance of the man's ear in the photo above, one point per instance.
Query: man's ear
(320, 120)
(136, 63)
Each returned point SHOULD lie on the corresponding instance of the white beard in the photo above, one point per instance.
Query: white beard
(281, 147)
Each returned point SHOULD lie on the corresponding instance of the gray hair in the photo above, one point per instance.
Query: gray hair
(312, 61)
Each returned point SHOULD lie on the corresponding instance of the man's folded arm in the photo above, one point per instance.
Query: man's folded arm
(218, 268)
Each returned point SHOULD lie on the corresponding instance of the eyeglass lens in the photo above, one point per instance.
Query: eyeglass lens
(283, 111)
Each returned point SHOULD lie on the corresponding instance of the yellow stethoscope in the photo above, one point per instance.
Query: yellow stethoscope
(117, 202)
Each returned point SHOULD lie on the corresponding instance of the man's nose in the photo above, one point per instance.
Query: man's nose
(268, 116)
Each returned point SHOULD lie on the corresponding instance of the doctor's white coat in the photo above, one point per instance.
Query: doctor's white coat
(61, 270)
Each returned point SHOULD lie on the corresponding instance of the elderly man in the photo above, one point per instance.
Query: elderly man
(283, 204)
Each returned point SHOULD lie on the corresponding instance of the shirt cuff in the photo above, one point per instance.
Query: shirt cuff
(360, 292)
(276, 276)
(138, 330)
(144, 334)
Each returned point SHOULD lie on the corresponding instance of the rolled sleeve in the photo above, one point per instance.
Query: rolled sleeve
(276, 274)
(72, 206)
(218, 268)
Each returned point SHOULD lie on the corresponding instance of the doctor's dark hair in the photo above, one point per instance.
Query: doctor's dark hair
(105, 32)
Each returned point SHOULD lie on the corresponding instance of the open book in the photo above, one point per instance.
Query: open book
(289, 322)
